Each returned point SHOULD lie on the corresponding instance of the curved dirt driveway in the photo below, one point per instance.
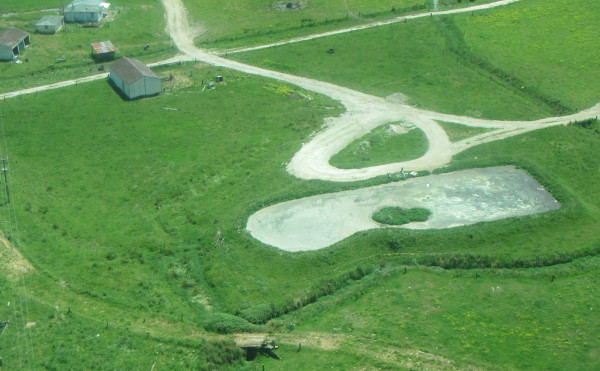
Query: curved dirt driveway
(364, 112)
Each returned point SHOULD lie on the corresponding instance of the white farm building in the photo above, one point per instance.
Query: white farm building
(50, 24)
(12, 43)
(84, 11)
(134, 78)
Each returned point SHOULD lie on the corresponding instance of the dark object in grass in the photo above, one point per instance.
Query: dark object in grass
(399, 216)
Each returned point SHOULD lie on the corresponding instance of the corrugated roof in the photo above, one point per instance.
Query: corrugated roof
(12, 37)
(130, 70)
(50, 20)
(103, 47)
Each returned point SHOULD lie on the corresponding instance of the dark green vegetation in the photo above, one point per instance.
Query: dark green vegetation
(133, 216)
(399, 216)
(226, 24)
(382, 146)
(67, 54)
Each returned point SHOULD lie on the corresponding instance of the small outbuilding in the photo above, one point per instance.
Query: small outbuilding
(12, 43)
(50, 24)
(103, 51)
(84, 11)
(134, 78)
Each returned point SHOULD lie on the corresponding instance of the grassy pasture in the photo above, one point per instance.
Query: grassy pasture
(137, 207)
(227, 24)
(549, 45)
(134, 215)
(411, 59)
(381, 146)
(429, 61)
(18, 6)
(498, 319)
(150, 197)
(43, 335)
(67, 54)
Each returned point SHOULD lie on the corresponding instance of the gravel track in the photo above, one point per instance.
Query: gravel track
(364, 112)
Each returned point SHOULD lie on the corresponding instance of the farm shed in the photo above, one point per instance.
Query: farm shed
(134, 78)
(83, 11)
(50, 24)
(103, 51)
(12, 43)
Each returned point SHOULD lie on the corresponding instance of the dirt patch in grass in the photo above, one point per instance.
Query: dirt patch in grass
(12, 263)
(288, 5)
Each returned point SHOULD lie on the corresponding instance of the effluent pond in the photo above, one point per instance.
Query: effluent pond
(454, 199)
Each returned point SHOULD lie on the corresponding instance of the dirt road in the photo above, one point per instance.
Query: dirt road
(364, 113)
(369, 25)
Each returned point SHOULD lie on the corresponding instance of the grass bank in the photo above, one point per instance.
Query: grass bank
(467, 318)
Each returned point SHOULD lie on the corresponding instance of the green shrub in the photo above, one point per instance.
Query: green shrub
(225, 323)
(258, 314)
(399, 216)
(222, 352)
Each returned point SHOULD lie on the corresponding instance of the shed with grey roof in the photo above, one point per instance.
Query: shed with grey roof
(134, 78)
(84, 11)
(50, 24)
(12, 43)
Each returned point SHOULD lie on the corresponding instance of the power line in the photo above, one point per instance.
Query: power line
(11, 217)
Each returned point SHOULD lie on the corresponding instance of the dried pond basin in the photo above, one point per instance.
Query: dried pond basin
(454, 199)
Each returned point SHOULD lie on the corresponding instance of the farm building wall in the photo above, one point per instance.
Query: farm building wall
(13, 43)
(6, 53)
(74, 16)
(118, 81)
(50, 24)
(145, 86)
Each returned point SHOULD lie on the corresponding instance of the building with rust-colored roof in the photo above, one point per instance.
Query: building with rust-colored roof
(103, 51)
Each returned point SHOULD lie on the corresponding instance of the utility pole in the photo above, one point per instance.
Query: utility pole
(5, 171)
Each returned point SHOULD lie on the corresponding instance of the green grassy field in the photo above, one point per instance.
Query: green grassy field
(412, 59)
(15, 6)
(67, 54)
(496, 319)
(453, 63)
(225, 24)
(133, 208)
(382, 146)
(133, 215)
